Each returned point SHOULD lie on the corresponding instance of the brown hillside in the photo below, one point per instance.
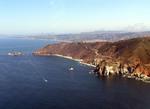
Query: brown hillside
(125, 50)
(133, 52)
(79, 50)
(128, 50)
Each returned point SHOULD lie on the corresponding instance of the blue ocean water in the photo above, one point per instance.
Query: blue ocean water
(29, 82)
(25, 45)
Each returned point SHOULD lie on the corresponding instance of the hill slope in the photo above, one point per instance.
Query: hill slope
(128, 50)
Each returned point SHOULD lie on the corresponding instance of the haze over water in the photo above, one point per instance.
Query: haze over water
(30, 82)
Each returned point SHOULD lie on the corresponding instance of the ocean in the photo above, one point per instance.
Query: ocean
(32, 82)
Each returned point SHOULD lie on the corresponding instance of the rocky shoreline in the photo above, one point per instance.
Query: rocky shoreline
(111, 69)
(105, 68)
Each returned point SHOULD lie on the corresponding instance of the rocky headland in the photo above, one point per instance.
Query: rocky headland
(129, 58)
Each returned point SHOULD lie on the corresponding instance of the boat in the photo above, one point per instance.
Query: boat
(45, 80)
(71, 68)
(15, 53)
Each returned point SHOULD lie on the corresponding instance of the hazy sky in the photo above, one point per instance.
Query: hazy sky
(59, 16)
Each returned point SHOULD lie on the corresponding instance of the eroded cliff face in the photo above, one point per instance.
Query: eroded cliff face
(138, 71)
(127, 57)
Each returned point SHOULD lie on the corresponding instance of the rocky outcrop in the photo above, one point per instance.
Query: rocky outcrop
(130, 58)
(138, 71)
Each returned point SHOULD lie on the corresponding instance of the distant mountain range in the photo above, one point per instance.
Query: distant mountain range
(93, 36)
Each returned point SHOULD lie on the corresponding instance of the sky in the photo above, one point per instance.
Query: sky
(71, 16)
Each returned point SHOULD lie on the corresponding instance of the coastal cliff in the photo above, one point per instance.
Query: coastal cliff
(130, 58)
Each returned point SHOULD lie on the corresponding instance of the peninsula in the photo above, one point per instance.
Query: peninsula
(129, 58)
